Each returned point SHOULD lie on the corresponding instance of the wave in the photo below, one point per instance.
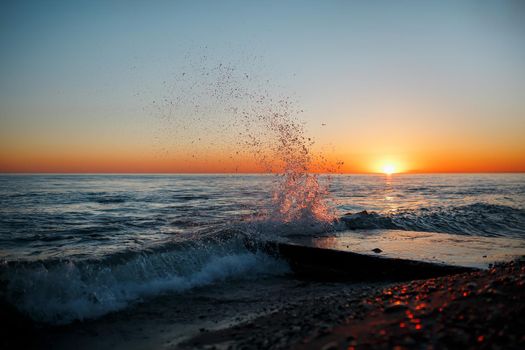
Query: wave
(474, 219)
(59, 292)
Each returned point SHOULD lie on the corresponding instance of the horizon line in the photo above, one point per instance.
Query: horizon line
(262, 173)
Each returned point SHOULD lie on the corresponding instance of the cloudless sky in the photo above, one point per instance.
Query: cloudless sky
(423, 85)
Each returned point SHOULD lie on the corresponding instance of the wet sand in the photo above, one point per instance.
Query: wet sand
(472, 310)
(167, 321)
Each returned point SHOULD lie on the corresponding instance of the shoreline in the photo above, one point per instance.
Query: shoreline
(481, 309)
(168, 320)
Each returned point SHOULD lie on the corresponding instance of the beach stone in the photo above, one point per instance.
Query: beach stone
(331, 346)
(392, 308)
(409, 341)
(472, 285)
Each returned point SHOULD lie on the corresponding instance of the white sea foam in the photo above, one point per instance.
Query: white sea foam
(67, 291)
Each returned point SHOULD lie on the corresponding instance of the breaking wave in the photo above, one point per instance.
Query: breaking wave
(59, 292)
(474, 219)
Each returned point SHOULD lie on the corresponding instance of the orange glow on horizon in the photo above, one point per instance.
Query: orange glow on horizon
(105, 157)
(144, 162)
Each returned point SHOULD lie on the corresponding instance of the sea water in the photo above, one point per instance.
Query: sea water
(79, 246)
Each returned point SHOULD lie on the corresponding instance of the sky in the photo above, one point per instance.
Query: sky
(417, 86)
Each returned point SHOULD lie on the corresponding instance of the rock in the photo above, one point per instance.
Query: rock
(377, 250)
(409, 341)
(472, 285)
(395, 308)
(331, 346)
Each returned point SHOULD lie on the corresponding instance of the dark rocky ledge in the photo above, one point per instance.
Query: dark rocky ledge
(328, 264)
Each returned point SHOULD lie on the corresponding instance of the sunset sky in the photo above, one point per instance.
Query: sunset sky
(423, 86)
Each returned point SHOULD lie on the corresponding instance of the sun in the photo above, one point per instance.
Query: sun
(388, 166)
(389, 169)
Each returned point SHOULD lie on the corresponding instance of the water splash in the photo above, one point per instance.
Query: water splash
(285, 149)
(236, 108)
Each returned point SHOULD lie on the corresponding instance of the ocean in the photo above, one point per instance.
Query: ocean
(74, 247)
